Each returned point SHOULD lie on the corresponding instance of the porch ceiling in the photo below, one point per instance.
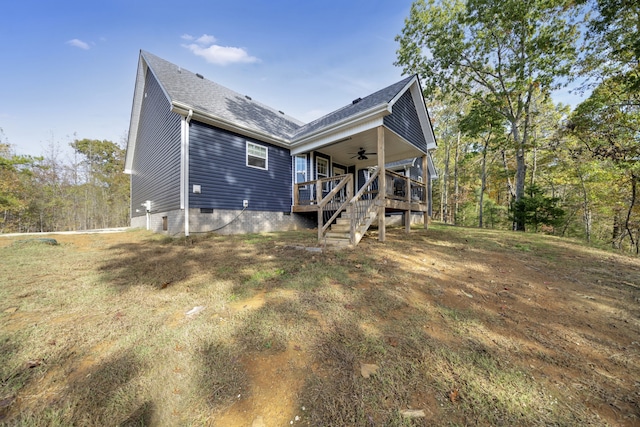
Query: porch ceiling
(344, 152)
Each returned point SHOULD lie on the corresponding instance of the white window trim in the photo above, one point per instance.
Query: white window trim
(325, 185)
(306, 168)
(323, 159)
(266, 156)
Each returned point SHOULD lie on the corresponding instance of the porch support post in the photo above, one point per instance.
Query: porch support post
(407, 213)
(382, 185)
(318, 200)
(427, 186)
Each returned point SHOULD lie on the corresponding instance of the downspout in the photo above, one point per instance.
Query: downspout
(186, 172)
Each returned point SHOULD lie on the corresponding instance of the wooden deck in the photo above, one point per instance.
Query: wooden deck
(338, 208)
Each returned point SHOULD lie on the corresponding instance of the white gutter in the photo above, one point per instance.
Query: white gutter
(182, 109)
(185, 169)
(381, 109)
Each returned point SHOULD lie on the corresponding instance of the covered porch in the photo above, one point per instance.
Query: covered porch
(360, 187)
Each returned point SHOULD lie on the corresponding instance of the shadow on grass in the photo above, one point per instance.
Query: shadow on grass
(221, 376)
(498, 310)
(94, 396)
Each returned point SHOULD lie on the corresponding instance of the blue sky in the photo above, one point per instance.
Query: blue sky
(68, 67)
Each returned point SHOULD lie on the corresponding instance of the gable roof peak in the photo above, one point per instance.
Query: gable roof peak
(379, 98)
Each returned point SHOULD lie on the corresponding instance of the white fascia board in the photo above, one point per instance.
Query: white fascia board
(433, 173)
(423, 114)
(138, 95)
(411, 82)
(183, 109)
(328, 138)
(375, 113)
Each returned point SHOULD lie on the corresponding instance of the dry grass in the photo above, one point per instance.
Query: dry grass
(469, 326)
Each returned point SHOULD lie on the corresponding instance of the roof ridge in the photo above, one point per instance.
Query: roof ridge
(379, 97)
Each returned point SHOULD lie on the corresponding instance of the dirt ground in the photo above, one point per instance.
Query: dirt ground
(563, 318)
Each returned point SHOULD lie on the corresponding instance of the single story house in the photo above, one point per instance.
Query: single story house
(205, 158)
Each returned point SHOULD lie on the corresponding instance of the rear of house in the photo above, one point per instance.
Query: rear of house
(204, 158)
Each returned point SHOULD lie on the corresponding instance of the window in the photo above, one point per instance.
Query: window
(257, 156)
(322, 171)
(301, 168)
(322, 168)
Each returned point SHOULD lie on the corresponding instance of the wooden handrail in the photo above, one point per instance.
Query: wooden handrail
(335, 191)
(364, 187)
(329, 196)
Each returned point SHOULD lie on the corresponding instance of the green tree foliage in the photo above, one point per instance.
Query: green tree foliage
(47, 194)
(608, 126)
(612, 42)
(499, 53)
(105, 187)
(537, 209)
(15, 172)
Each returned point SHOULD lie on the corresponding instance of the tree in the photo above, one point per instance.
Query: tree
(612, 43)
(486, 126)
(498, 52)
(15, 174)
(608, 125)
(106, 188)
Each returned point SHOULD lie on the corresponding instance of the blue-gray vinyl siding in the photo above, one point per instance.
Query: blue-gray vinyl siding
(156, 168)
(405, 122)
(217, 162)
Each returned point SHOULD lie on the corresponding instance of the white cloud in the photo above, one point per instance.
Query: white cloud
(186, 37)
(79, 44)
(205, 40)
(220, 55)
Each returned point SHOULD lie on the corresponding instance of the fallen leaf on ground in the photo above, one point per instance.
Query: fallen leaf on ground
(33, 363)
(393, 341)
(366, 370)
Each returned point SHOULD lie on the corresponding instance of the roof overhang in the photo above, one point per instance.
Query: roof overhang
(135, 115)
(210, 119)
(359, 131)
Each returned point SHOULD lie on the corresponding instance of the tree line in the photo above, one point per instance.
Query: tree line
(49, 193)
(508, 156)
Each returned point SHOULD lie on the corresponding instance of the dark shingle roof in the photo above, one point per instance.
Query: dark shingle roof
(380, 97)
(184, 86)
(209, 97)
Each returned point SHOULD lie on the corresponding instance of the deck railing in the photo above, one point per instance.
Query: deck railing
(334, 194)
(400, 187)
(362, 208)
(329, 197)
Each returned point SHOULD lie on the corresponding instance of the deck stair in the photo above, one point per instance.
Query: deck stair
(349, 228)
(339, 234)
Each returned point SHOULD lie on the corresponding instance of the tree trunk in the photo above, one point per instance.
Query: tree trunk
(617, 233)
(456, 190)
(519, 223)
(483, 180)
(444, 194)
(627, 220)
(586, 209)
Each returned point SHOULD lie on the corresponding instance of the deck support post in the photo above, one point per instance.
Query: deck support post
(426, 181)
(407, 213)
(382, 185)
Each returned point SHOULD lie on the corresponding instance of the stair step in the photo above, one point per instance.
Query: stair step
(338, 235)
(340, 228)
(338, 243)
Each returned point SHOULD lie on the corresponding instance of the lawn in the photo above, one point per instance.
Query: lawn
(447, 326)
